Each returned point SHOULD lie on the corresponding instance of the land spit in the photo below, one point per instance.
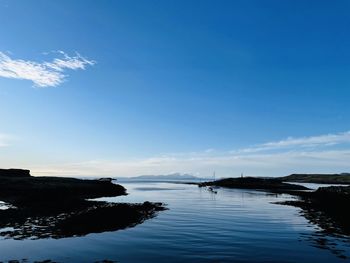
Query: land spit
(42, 207)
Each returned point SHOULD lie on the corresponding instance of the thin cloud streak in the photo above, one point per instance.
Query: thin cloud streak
(304, 142)
(5, 140)
(45, 74)
(293, 156)
(226, 165)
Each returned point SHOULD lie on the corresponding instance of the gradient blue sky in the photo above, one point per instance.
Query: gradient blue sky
(260, 87)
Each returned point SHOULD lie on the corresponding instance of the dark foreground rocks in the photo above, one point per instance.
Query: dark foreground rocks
(42, 207)
(14, 173)
(328, 207)
(53, 191)
(254, 183)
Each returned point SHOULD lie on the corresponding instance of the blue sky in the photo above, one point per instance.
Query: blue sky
(150, 87)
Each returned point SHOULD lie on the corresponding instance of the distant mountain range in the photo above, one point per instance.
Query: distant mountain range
(167, 177)
(343, 178)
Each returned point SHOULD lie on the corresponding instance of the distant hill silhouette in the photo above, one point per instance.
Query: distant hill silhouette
(342, 178)
(167, 177)
(14, 173)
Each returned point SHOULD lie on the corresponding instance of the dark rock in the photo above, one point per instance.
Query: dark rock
(327, 207)
(14, 173)
(51, 191)
(254, 183)
(42, 207)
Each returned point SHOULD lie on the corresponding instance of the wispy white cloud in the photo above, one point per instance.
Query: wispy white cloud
(273, 164)
(42, 74)
(294, 155)
(302, 142)
(5, 140)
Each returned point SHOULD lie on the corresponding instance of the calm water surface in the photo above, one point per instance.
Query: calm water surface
(230, 226)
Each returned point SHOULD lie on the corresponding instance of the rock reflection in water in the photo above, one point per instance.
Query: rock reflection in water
(95, 217)
(331, 229)
(50, 261)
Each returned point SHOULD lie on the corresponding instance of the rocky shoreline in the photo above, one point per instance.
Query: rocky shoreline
(326, 207)
(254, 183)
(42, 207)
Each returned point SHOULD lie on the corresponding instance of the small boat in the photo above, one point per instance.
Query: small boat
(211, 189)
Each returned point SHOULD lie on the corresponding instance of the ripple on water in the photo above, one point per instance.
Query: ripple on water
(231, 226)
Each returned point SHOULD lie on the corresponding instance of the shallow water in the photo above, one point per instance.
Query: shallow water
(233, 225)
(314, 186)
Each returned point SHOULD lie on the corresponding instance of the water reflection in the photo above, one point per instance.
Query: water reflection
(51, 261)
(234, 225)
(97, 217)
(330, 234)
(328, 242)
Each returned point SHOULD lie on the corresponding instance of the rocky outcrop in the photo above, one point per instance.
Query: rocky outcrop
(254, 183)
(41, 207)
(327, 207)
(14, 173)
(37, 191)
